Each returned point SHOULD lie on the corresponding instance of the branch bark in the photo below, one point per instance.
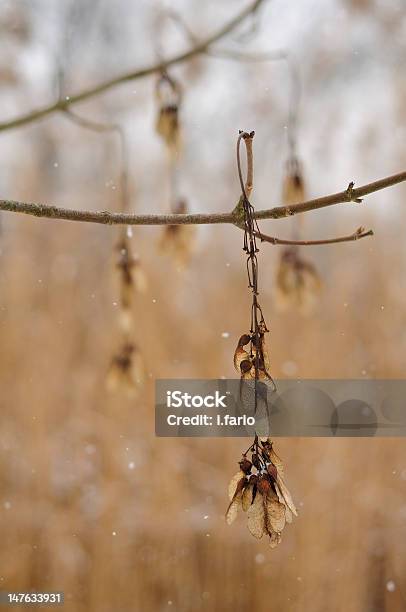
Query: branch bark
(110, 218)
(199, 48)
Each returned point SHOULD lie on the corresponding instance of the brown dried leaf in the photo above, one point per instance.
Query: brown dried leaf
(256, 517)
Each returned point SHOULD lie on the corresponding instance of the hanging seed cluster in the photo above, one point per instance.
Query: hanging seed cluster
(126, 371)
(260, 491)
(298, 284)
(251, 357)
(176, 241)
(258, 488)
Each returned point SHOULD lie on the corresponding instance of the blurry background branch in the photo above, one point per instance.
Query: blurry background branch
(67, 101)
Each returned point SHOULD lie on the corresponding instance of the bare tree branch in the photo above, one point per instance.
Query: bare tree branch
(357, 235)
(111, 218)
(199, 48)
(348, 195)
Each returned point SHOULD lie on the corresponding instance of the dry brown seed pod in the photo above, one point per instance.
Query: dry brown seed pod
(254, 479)
(244, 340)
(256, 461)
(245, 465)
(264, 484)
(246, 366)
(272, 471)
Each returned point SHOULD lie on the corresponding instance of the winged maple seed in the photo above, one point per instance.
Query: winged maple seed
(168, 94)
(132, 280)
(293, 190)
(178, 241)
(259, 489)
(126, 372)
(298, 284)
(251, 354)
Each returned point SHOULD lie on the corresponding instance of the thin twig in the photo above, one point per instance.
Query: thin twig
(246, 189)
(249, 182)
(198, 49)
(110, 218)
(357, 235)
(230, 54)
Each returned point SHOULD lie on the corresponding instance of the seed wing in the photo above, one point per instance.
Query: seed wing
(247, 497)
(287, 498)
(232, 487)
(276, 460)
(232, 510)
(275, 515)
(256, 517)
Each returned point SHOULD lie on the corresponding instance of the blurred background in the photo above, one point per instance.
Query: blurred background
(92, 503)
